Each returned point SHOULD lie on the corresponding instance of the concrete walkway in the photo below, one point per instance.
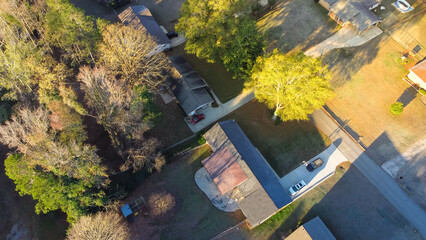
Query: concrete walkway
(213, 114)
(345, 37)
(375, 174)
(205, 183)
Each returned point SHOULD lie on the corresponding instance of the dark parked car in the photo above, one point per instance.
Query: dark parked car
(171, 35)
(114, 3)
(314, 165)
(196, 118)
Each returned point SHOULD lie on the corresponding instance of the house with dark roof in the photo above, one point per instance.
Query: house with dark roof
(315, 229)
(188, 87)
(236, 167)
(140, 18)
(354, 12)
(417, 74)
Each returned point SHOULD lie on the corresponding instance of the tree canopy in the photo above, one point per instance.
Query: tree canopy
(220, 30)
(107, 225)
(294, 85)
(128, 52)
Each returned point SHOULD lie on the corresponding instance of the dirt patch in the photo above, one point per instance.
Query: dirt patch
(296, 25)
(190, 214)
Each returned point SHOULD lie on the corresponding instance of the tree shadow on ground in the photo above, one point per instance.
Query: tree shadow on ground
(407, 96)
(346, 62)
(296, 25)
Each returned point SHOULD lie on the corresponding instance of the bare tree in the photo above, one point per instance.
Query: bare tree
(128, 52)
(120, 110)
(29, 131)
(101, 226)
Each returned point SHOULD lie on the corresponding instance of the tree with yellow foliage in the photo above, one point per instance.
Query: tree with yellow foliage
(294, 85)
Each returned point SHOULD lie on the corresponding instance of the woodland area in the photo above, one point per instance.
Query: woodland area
(63, 70)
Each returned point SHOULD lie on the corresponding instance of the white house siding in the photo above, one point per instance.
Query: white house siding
(413, 77)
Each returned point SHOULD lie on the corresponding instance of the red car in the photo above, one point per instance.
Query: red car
(196, 118)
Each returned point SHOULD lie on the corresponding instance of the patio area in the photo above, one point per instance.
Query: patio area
(205, 183)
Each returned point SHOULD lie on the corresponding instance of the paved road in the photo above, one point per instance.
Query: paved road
(379, 178)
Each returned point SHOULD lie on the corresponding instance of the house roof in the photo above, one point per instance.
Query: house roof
(140, 18)
(420, 70)
(229, 130)
(315, 229)
(356, 12)
(187, 86)
(224, 169)
(364, 19)
(257, 207)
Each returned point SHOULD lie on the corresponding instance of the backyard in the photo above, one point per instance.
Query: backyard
(284, 145)
(296, 25)
(188, 213)
(341, 202)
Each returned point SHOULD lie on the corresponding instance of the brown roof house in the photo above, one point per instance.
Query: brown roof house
(140, 18)
(418, 74)
(354, 12)
(238, 169)
(315, 229)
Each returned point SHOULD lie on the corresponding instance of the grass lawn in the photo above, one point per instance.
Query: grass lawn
(192, 215)
(285, 145)
(296, 25)
(170, 126)
(341, 202)
(216, 76)
(373, 81)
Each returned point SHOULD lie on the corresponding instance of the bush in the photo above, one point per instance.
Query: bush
(422, 91)
(397, 108)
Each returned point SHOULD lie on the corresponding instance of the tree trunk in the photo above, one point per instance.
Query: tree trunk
(275, 116)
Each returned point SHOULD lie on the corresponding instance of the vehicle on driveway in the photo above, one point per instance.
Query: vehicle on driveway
(294, 189)
(114, 3)
(314, 165)
(196, 118)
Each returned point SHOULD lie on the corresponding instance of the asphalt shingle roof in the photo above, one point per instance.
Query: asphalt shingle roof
(139, 17)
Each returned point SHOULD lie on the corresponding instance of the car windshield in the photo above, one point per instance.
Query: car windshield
(295, 188)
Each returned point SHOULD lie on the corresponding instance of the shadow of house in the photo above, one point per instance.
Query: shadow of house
(345, 63)
(351, 209)
(382, 149)
(407, 96)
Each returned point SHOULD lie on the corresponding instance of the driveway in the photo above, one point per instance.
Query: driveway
(375, 174)
(345, 37)
(213, 114)
(331, 157)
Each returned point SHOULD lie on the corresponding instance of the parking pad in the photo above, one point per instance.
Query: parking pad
(331, 157)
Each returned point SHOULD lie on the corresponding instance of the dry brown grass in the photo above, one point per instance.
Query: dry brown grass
(364, 99)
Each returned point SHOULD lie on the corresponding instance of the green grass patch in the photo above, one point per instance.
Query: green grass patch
(284, 145)
(216, 76)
